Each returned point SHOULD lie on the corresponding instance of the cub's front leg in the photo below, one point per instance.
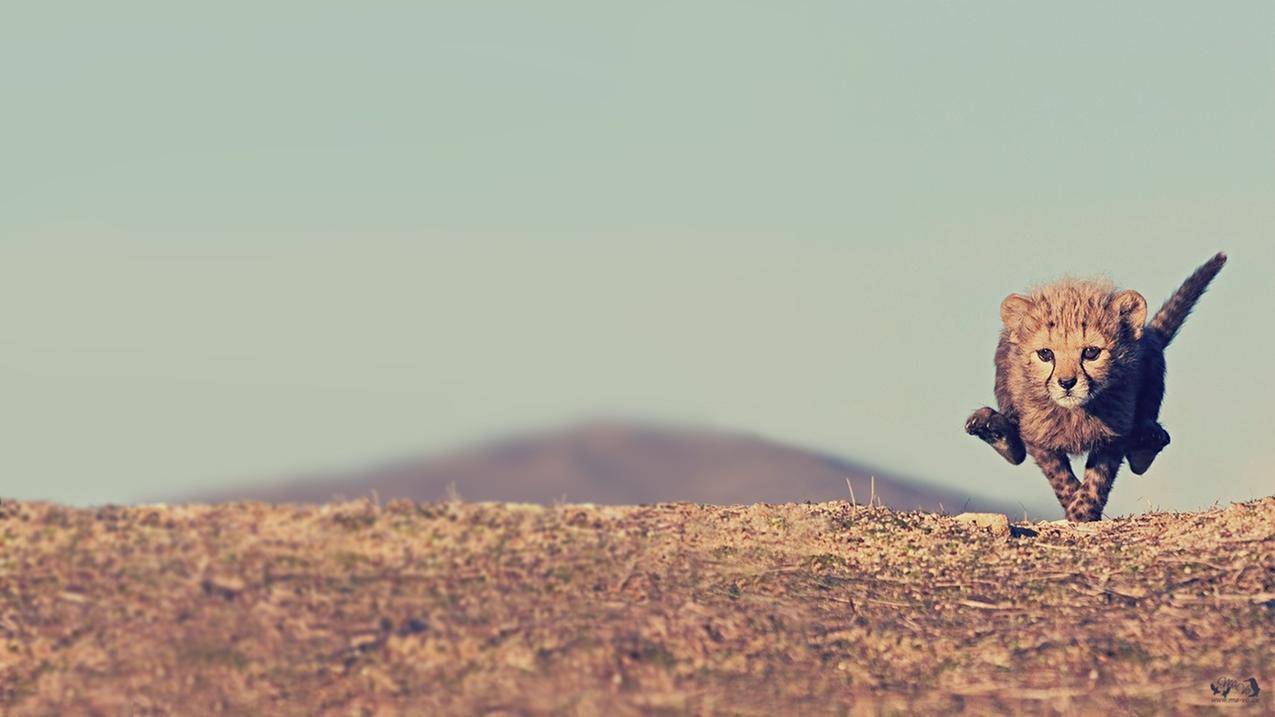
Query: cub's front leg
(1100, 473)
(998, 432)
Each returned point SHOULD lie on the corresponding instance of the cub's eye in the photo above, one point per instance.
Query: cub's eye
(1090, 353)
(1045, 355)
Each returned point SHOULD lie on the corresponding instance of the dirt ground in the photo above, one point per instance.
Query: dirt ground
(461, 608)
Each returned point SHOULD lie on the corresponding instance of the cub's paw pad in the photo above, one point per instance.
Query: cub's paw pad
(998, 432)
(987, 424)
(1144, 445)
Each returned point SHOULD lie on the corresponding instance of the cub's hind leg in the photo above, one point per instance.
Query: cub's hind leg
(1057, 469)
(1148, 437)
(1145, 444)
(998, 432)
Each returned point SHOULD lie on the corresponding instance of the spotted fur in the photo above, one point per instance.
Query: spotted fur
(1079, 369)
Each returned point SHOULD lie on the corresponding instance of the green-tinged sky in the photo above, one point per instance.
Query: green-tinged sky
(247, 240)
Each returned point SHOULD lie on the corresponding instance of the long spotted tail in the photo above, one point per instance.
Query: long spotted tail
(1169, 318)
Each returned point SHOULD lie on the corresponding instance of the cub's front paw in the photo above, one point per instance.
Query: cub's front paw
(1083, 509)
(987, 424)
(1145, 444)
(998, 432)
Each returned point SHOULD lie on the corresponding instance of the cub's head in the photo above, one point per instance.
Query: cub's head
(1072, 339)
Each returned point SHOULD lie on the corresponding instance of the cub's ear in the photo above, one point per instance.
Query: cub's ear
(1013, 309)
(1132, 309)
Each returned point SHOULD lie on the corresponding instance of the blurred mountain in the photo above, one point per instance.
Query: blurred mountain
(620, 463)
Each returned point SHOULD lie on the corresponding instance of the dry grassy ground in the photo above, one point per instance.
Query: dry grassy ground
(455, 608)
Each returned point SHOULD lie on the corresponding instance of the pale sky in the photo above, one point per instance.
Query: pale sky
(240, 241)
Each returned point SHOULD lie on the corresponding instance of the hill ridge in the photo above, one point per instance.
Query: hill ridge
(620, 462)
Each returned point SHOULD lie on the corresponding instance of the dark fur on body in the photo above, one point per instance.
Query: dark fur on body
(1078, 368)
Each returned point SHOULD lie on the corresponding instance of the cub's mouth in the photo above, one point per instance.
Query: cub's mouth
(1070, 400)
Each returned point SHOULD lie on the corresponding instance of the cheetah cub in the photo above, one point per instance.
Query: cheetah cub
(1078, 368)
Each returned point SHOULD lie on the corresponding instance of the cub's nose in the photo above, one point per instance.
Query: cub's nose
(1067, 383)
